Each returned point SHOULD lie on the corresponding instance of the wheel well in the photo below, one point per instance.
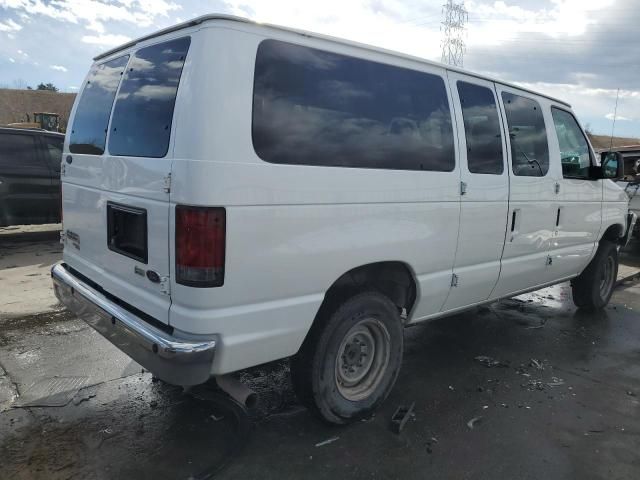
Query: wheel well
(613, 233)
(393, 279)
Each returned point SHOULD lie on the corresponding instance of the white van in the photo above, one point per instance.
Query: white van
(236, 193)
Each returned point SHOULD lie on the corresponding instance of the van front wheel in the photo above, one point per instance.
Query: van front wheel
(594, 287)
(350, 360)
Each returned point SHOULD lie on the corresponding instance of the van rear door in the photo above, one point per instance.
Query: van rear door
(116, 175)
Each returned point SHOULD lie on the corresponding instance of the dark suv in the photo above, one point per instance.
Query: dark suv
(29, 176)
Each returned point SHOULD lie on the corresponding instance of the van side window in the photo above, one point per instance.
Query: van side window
(18, 152)
(574, 148)
(90, 123)
(313, 107)
(527, 135)
(481, 128)
(141, 123)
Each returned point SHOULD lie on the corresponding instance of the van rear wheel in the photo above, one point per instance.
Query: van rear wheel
(350, 360)
(594, 287)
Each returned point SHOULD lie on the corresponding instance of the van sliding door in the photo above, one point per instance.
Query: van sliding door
(484, 191)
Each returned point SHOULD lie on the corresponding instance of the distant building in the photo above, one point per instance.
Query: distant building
(20, 105)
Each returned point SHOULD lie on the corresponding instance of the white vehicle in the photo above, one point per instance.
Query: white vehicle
(236, 193)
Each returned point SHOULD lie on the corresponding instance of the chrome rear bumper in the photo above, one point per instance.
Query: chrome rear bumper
(174, 360)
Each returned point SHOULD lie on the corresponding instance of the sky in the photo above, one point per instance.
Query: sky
(581, 51)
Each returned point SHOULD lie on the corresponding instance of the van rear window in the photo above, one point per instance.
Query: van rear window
(89, 130)
(142, 116)
(314, 107)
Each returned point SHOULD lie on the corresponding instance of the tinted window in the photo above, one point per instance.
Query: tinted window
(89, 130)
(18, 151)
(574, 149)
(141, 124)
(318, 108)
(53, 151)
(481, 128)
(527, 134)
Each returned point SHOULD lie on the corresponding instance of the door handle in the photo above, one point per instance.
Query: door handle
(515, 221)
(558, 217)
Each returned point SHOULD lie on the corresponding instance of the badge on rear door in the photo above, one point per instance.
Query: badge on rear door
(74, 238)
(153, 276)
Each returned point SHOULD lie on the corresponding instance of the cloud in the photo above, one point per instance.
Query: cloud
(59, 68)
(12, 60)
(395, 25)
(491, 23)
(93, 13)
(106, 39)
(618, 118)
(581, 51)
(10, 26)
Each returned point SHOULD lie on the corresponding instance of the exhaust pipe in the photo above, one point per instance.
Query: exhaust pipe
(237, 390)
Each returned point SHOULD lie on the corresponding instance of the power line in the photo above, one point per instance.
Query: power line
(453, 28)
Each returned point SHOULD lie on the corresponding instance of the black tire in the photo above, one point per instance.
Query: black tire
(337, 345)
(592, 290)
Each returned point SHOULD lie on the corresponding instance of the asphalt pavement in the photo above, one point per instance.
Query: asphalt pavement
(523, 388)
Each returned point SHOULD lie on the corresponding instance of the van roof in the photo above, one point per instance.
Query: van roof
(218, 16)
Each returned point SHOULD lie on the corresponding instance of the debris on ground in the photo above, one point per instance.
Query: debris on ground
(490, 362)
(536, 363)
(471, 423)
(401, 416)
(555, 382)
(533, 385)
(429, 443)
(630, 393)
(327, 442)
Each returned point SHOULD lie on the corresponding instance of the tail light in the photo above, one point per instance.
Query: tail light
(200, 246)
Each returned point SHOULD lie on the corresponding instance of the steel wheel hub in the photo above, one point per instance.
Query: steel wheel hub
(362, 359)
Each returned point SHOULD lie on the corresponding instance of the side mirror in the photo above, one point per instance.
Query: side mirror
(611, 166)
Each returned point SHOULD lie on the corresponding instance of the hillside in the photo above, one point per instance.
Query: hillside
(15, 105)
(603, 141)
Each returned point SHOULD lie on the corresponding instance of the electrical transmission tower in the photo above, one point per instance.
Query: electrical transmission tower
(455, 18)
